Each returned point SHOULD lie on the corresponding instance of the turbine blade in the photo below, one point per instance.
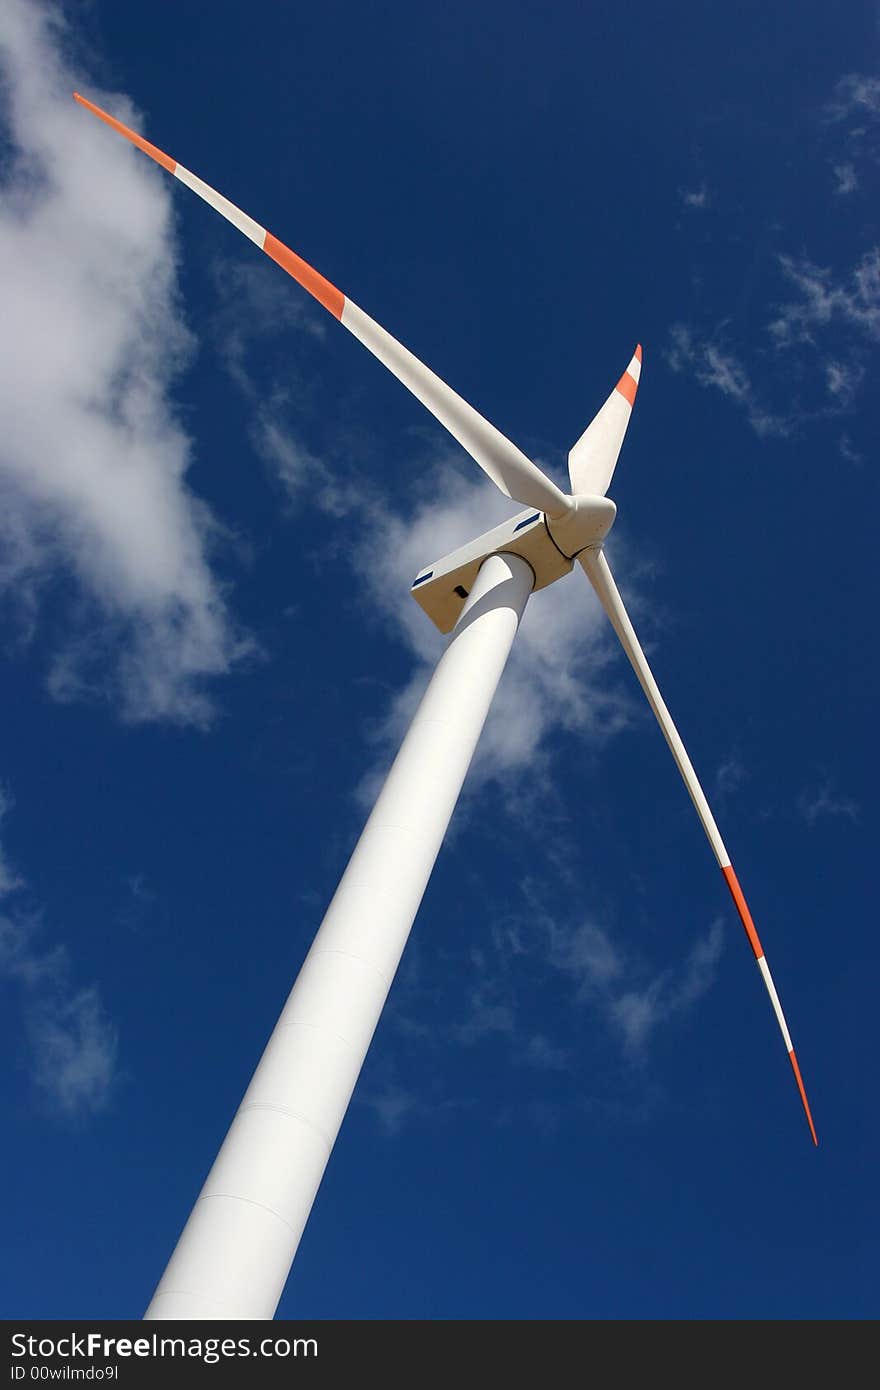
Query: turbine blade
(592, 461)
(504, 463)
(599, 574)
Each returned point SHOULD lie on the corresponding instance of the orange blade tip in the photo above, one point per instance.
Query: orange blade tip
(638, 352)
(152, 150)
(806, 1104)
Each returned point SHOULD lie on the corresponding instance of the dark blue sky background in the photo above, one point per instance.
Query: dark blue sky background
(577, 1104)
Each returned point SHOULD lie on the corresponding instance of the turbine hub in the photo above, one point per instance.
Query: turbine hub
(586, 523)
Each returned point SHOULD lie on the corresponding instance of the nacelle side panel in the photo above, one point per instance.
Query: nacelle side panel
(441, 589)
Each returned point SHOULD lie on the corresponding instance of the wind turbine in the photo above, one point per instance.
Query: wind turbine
(235, 1251)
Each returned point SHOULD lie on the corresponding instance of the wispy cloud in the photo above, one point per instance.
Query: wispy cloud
(254, 308)
(393, 1105)
(540, 1052)
(9, 879)
(635, 1000)
(824, 299)
(74, 1048)
(639, 1013)
(717, 366)
(808, 323)
(93, 460)
(856, 94)
(574, 950)
(486, 1016)
(729, 777)
(848, 450)
(304, 478)
(71, 1044)
(808, 360)
(140, 903)
(843, 380)
(852, 117)
(538, 989)
(847, 181)
(583, 952)
(823, 803)
(695, 197)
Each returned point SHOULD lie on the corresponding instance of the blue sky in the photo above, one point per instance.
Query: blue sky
(577, 1104)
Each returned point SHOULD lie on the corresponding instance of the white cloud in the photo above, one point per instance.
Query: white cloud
(823, 301)
(843, 380)
(303, 476)
(855, 95)
(695, 197)
(545, 953)
(853, 115)
(93, 461)
(254, 304)
(486, 1016)
(823, 803)
(392, 1104)
(730, 776)
(71, 1044)
(584, 953)
(823, 305)
(74, 1048)
(638, 1013)
(847, 180)
(542, 1053)
(139, 905)
(817, 333)
(635, 999)
(721, 369)
(9, 879)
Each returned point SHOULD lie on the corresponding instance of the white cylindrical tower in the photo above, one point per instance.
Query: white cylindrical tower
(235, 1251)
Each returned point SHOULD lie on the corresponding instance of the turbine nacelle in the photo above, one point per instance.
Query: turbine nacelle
(548, 544)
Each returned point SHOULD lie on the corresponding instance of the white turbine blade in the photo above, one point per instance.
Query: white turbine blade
(592, 461)
(599, 574)
(504, 463)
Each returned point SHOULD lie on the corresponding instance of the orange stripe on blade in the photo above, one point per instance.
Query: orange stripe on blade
(302, 272)
(138, 140)
(806, 1104)
(627, 386)
(742, 908)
